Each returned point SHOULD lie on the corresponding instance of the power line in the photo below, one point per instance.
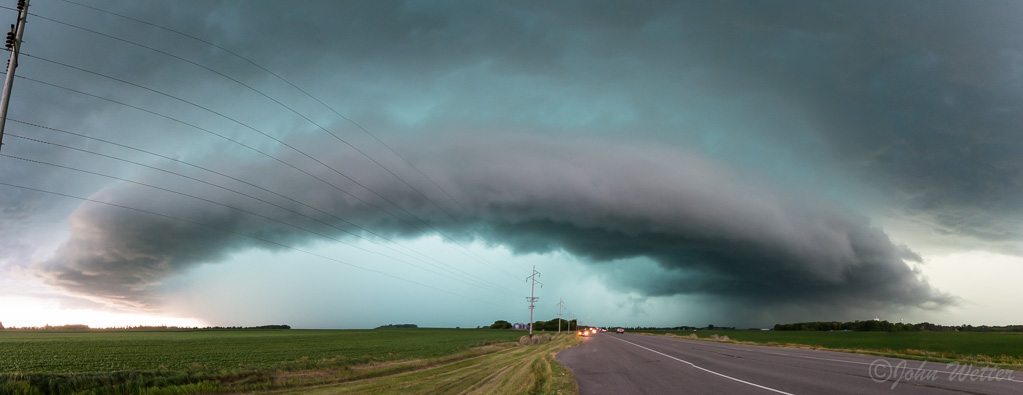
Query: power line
(202, 199)
(532, 299)
(304, 117)
(267, 135)
(561, 305)
(325, 105)
(242, 84)
(435, 229)
(254, 186)
(282, 245)
(403, 220)
(464, 280)
(250, 196)
(253, 149)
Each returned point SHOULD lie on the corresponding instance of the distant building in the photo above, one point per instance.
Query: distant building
(520, 326)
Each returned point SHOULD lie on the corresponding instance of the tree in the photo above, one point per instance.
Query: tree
(552, 325)
(404, 326)
(501, 324)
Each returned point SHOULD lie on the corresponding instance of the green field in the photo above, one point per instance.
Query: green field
(1003, 349)
(132, 361)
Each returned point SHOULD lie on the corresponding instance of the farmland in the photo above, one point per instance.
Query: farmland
(992, 348)
(129, 361)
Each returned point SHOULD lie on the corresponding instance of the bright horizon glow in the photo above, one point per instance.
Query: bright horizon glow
(24, 312)
(991, 278)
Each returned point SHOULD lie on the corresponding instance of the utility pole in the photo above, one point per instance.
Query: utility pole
(13, 45)
(531, 299)
(561, 304)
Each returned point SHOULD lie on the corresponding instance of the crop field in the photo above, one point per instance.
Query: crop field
(107, 351)
(1003, 349)
(129, 361)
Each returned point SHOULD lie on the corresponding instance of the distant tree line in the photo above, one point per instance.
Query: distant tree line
(551, 325)
(885, 326)
(398, 326)
(58, 327)
(270, 327)
(220, 327)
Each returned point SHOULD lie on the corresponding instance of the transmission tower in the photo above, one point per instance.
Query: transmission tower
(561, 305)
(532, 299)
(13, 45)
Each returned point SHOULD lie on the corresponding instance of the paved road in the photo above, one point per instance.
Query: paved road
(610, 363)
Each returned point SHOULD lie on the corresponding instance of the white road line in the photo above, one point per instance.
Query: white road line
(705, 369)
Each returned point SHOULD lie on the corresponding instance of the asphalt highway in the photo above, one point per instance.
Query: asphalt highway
(609, 363)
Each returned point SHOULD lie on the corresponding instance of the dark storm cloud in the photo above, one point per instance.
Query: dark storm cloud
(710, 232)
(919, 102)
(924, 98)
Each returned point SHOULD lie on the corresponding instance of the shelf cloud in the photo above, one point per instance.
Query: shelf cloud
(711, 232)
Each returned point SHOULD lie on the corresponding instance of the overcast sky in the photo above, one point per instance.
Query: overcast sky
(353, 164)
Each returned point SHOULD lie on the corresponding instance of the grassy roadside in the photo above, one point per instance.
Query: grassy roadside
(991, 350)
(517, 369)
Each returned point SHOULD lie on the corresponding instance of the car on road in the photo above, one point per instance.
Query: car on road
(621, 330)
(583, 333)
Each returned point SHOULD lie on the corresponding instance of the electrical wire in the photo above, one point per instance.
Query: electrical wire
(252, 197)
(253, 149)
(464, 280)
(230, 140)
(427, 224)
(309, 95)
(256, 238)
